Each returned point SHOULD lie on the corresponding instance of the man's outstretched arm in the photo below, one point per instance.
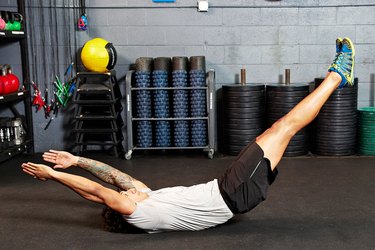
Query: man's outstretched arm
(99, 169)
(86, 188)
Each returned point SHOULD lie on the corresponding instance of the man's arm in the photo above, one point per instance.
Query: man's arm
(99, 169)
(86, 188)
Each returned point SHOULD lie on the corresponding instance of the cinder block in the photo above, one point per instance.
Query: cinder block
(214, 54)
(127, 17)
(146, 35)
(279, 54)
(156, 51)
(365, 72)
(365, 53)
(260, 35)
(101, 17)
(356, 15)
(241, 16)
(365, 33)
(300, 73)
(316, 54)
(328, 34)
(279, 16)
(298, 34)
(183, 17)
(222, 35)
(128, 54)
(262, 73)
(242, 55)
(184, 35)
(317, 16)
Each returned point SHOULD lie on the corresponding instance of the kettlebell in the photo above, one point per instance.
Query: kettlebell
(3, 19)
(4, 82)
(2, 24)
(14, 81)
(8, 20)
(17, 21)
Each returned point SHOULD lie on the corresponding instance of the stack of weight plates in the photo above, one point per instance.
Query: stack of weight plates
(336, 124)
(243, 115)
(366, 131)
(280, 100)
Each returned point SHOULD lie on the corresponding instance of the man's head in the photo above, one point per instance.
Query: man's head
(114, 222)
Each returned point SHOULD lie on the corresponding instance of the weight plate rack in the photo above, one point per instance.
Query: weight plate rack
(281, 99)
(243, 115)
(335, 128)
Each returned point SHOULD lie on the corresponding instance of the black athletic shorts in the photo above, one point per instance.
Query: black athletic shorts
(244, 185)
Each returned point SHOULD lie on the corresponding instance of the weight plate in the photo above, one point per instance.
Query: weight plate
(243, 99)
(244, 105)
(229, 115)
(242, 126)
(295, 153)
(240, 137)
(243, 110)
(278, 99)
(286, 106)
(244, 94)
(237, 87)
(243, 132)
(283, 87)
(296, 94)
(334, 153)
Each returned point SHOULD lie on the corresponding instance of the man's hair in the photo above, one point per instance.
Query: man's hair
(114, 222)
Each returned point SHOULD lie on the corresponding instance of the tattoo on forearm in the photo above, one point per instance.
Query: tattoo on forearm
(106, 173)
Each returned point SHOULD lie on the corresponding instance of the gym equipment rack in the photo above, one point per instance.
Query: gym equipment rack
(210, 146)
(11, 100)
(97, 117)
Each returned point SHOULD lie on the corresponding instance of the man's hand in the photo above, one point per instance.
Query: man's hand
(62, 159)
(40, 171)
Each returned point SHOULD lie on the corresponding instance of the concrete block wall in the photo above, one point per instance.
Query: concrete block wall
(263, 36)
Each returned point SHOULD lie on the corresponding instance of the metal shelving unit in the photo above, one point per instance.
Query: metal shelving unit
(11, 100)
(210, 147)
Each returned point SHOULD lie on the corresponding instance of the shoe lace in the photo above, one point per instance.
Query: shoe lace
(344, 61)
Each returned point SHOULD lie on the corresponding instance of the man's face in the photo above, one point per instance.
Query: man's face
(134, 195)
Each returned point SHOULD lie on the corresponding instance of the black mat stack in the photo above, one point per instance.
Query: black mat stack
(281, 98)
(243, 114)
(335, 130)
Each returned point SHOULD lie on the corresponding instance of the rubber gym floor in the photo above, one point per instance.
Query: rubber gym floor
(315, 203)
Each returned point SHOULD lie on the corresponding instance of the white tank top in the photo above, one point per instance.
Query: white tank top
(181, 208)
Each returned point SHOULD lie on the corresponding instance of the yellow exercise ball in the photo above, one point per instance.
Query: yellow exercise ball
(98, 55)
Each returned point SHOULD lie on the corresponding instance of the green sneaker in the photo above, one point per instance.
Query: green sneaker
(344, 62)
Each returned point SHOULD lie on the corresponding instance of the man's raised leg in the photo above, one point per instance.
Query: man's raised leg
(275, 140)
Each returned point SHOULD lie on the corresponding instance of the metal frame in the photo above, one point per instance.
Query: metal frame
(211, 117)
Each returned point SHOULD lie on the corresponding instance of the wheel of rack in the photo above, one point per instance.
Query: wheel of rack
(22, 120)
(210, 146)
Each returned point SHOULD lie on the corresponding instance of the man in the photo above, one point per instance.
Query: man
(241, 188)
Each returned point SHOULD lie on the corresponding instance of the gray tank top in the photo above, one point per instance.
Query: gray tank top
(181, 208)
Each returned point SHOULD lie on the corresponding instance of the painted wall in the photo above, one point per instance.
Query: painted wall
(265, 37)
